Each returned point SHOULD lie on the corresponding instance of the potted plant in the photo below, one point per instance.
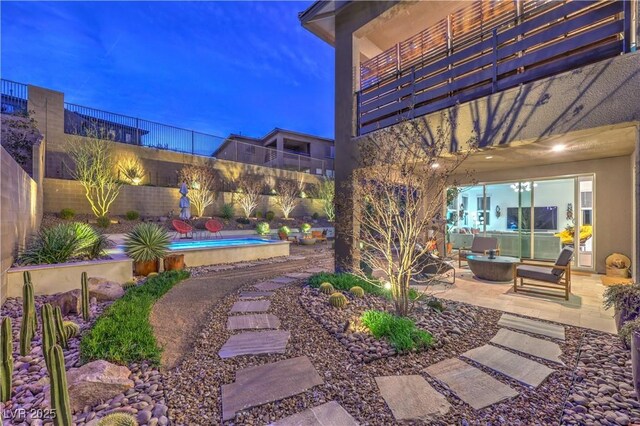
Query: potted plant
(283, 233)
(173, 262)
(262, 228)
(630, 334)
(146, 244)
(306, 239)
(625, 299)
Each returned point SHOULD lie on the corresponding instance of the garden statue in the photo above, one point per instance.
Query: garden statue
(185, 205)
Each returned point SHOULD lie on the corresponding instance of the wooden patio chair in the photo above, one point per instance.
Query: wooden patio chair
(214, 226)
(480, 245)
(556, 276)
(182, 228)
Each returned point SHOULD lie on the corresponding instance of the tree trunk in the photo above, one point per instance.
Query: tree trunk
(635, 361)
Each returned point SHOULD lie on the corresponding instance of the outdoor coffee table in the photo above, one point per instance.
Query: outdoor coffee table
(500, 268)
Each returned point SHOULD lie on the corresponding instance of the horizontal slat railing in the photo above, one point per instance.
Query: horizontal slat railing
(546, 41)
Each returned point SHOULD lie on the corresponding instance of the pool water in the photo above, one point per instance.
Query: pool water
(231, 242)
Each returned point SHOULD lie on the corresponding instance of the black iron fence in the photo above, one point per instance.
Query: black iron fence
(14, 97)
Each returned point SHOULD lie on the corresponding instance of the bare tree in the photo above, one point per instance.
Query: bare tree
(326, 191)
(248, 191)
(19, 135)
(202, 184)
(399, 192)
(95, 169)
(286, 197)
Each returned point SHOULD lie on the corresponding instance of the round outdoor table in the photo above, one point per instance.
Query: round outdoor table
(499, 268)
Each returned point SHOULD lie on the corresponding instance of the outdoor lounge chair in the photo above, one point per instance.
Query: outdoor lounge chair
(480, 245)
(556, 276)
(182, 228)
(435, 268)
(320, 236)
(214, 226)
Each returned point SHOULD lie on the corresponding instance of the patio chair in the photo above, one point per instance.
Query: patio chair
(182, 228)
(480, 245)
(214, 226)
(320, 236)
(436, 268)
(556, 276)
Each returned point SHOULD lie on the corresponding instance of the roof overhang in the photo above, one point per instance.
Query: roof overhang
(319, 18)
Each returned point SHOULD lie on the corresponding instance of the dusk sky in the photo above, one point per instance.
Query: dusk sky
(215, 67)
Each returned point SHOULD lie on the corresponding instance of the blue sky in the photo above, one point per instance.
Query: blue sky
(215, 67)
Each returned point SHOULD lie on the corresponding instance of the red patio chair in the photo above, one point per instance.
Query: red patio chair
(182, 228)
(214, 226)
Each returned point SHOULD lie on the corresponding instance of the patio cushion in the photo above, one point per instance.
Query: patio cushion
(540, 273)
(563, 260)
(482, 244)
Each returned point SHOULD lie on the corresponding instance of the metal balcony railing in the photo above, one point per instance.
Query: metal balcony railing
(14, 97)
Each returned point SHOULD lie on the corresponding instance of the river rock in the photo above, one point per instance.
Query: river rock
(103, 289)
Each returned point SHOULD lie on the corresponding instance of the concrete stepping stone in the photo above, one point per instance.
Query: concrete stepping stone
(317, 270)
(299, 275)
(269, 286)
(532, 326)
(470, 384)
(255, 343)
(412, 397)
(524, 370)
(529, 345)
(283, 280)
(255, 294)
(329, 414)
(252, 321)
(251, 306)
(266, 383)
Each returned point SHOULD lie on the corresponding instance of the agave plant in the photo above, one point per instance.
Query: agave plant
(146, 242)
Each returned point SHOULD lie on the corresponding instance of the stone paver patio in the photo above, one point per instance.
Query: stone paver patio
(524, 370)
(268, 286)
(527, 344)
(412, 398)
(255, 343)
(266, 383)
(251, 306)
(328, 414)
(253, 321)
(470, 384)
(532, 326)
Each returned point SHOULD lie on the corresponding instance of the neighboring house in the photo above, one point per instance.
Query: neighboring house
(550, 89)
(282, 149)
(86, 125)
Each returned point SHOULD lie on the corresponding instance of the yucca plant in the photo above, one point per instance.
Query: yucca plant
(146, 242)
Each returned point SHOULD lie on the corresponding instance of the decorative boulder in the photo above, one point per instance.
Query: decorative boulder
(69, 302)
(94, 382)
(103, 289)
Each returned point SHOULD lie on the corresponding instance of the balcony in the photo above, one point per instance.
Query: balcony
(485, 48)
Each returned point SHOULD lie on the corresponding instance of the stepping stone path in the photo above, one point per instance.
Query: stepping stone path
(517, 367)
(251, 306)
(299, 275)
(255, 343)
(255, 294)
(532, 326)
(329, 414)
(317, 270)
(266, 383)
(412, 398)
(254, 321)
(269, 286)
(284, 280)
(470, 384)
(529, 345)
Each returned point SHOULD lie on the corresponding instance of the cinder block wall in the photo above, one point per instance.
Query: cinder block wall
(151, 200)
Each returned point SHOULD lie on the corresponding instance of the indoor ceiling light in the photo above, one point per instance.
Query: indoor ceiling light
(558, 148)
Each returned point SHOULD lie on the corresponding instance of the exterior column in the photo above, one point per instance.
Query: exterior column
(636, 207)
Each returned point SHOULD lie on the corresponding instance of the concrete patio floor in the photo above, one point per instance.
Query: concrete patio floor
(583, 309)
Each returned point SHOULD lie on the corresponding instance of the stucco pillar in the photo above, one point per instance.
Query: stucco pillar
(280, 148)
(636, 207)
(47, 107)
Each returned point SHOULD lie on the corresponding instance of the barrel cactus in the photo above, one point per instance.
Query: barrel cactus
(86, 313)
(337, 300)
(128, 285)
(357, 291)
(6, 362)
(71, 329)
(59, 391)
(152, 274)
(326, 288)
(118, 419)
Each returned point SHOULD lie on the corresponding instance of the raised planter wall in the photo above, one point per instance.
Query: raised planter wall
(221, 255)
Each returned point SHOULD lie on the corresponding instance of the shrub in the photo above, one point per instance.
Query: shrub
(103, 221)
(243, 220)
(63, 242)
(305, 228)
(258, 215)
(123, 334)
(67, 214)
(315, 216)
(628, 329)
(146, 242)
(345, 281)
(132, 215)
(435, 304)
(270, 216)
(226, 212)
(401, 332)
(262, 228)
(284, 230)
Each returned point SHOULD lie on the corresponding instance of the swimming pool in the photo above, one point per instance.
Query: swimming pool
(232, 250)
(231, 242)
